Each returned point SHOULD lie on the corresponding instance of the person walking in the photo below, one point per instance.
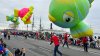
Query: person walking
(55, 40)
(66, 40)
(85, 43)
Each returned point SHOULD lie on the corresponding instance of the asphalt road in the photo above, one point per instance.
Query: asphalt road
(42, 48)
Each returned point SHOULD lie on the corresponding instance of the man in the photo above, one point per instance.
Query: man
(85, 43)
(66, 40)
(55, 40)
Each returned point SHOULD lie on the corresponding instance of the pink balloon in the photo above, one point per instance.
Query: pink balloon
(23, 12)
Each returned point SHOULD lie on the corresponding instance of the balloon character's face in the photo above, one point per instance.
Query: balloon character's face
(68, 13)
(12, 19)
(25, 14)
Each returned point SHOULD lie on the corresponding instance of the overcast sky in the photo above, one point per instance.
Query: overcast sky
(41, 10)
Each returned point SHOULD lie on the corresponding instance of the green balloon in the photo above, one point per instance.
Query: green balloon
(70, 14)
(12, 19)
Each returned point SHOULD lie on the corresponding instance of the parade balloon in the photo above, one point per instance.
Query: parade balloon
(13, 19)
(70, 14)
(25, 14)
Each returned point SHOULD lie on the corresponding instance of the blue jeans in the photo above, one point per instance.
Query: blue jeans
(86, 47)
(56, 50)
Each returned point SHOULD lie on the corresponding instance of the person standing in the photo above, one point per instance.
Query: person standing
(85, 43)
(66, 40)
(8, 35)
(37, 35)
(23, 51)
(6, 51)
(95, 42)
(91, 42)
(5, 35)
(17, 52)
(55, 40)
(14, 34)
(60, 37)
(98, 42)
(26, 35)
(1, 48)
(0, 35)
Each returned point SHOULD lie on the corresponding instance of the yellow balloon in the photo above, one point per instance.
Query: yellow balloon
(28, 15)
(7, 18)
(24, 19)
(30, 12)
(16, 11)
(31, 8)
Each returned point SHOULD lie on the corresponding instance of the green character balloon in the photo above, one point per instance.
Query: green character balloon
(70, 14)
(13, 19)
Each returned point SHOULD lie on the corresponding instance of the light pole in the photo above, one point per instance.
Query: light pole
(33, 23)
(27, 27)
(40, 24)
(51, 26)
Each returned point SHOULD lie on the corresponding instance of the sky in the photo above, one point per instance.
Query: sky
(41, 11)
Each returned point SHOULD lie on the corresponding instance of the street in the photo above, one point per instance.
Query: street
(42, 48)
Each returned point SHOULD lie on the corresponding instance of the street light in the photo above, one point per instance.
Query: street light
(51, 26)
(33, 23)
(27, 27)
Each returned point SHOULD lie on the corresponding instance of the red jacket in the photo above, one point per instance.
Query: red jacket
(84, 40)
(65, 37)
(55, 39)
(78, 41)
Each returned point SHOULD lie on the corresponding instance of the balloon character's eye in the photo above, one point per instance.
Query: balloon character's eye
(67, 18)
